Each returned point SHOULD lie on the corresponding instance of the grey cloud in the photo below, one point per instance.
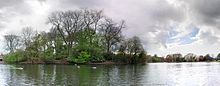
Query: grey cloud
(208, 8)
(164, 12)
(209, 38)
(10, 8)
(144, 17)
(6, 3)
(80, 3)
(14, 5)
(205, 11)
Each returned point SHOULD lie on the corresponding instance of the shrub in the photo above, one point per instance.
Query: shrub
(156, 59)
(96, 55)
(97, 58)
(143, 58)
(121, 57)
(13, 57)
(47, 55)
(83, 57)
(131, 59)
(109, 56)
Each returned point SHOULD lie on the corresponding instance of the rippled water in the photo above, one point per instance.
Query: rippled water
(162, 74)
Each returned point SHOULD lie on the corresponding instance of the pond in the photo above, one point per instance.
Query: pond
(151, 74)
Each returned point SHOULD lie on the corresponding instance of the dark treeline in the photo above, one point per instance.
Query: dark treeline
(78, 36)
(190, 57)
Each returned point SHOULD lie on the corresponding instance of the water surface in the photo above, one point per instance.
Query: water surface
(152, 74)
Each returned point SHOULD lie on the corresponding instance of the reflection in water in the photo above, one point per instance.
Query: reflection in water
(168, 74)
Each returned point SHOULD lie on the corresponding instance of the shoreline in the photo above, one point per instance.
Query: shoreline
(90, 63)
(61, 62)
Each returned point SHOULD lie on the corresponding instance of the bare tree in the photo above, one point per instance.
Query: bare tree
(92, 20)
(123, 46)
(67, 23)
(12, 42)
(137, 46)
(132, 46)
(111, 32)
(27, 36)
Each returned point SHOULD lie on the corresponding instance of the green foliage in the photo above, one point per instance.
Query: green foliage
(60, 49)
(33, 51)
(143, 57)
(130, 59)
(134, 59)
(140, 58)
(48, 55)
(83, 57)
(122, 57)
(13, 57)
(96, 55)
(156, 59)
(88, 41)
(109, 56)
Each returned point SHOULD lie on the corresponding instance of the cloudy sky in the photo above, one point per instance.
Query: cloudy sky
(165, 26)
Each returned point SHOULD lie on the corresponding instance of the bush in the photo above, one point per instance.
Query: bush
(121, 57)
(143, 58)
(13, 57)
(97, 58)
(109, 56)
(48, 55)
(130, 59)
(96, 55)
(156, 59)
(83, 57)
(135, 59)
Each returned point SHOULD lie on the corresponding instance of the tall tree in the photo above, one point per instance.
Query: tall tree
(57, 43)
(12, 42)
(123, 46)
(67, 23)
(92, 20)
(27, 36)
(111, 32)
(137, 46)
(132, 46)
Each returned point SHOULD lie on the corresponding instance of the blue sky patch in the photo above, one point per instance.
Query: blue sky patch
(187, 39)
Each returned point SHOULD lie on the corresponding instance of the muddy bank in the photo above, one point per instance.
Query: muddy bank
(65, 62)
(46, 62)
(105, 63)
